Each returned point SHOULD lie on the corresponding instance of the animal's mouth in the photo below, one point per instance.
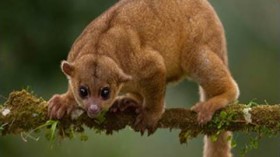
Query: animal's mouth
(93, 111)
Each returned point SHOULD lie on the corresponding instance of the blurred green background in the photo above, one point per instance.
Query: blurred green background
(35, 35)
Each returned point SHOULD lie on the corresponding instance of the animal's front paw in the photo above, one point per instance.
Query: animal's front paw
(123, 103)
(204, 112)
(59, 106)
(147, 121)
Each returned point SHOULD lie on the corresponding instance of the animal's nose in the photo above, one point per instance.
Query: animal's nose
(93, 108)
(93, 111)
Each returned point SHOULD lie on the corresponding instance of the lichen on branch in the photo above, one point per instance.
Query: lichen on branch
(24, 112)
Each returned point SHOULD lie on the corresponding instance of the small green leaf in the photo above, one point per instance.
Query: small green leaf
(214, 138)
(252, 103)
(220, 125)
(229, 138)
(53, 130)
(233, 143)
(223, 115)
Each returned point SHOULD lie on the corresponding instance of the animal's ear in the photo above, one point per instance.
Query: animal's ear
(67, 68)
(124, 77)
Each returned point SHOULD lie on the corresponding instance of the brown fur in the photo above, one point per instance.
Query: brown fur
(137, 47)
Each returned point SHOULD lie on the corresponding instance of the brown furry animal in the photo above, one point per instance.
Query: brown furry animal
(136, 48)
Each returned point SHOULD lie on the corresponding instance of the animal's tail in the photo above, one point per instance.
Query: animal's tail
(219, 148)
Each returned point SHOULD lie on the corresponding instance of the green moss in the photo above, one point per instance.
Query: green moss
(27, 112)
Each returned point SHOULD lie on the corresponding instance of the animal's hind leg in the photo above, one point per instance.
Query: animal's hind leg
(219, 88)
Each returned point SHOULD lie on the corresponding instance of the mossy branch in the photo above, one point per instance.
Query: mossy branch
(23, 112)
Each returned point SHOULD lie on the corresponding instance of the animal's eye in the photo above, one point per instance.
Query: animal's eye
(105, 93)
(83, 91)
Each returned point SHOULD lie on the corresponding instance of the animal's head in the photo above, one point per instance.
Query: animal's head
(95, 82)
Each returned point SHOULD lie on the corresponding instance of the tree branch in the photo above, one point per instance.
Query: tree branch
(23, 112)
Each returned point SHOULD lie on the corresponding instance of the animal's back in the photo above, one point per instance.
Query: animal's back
(173, 27)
